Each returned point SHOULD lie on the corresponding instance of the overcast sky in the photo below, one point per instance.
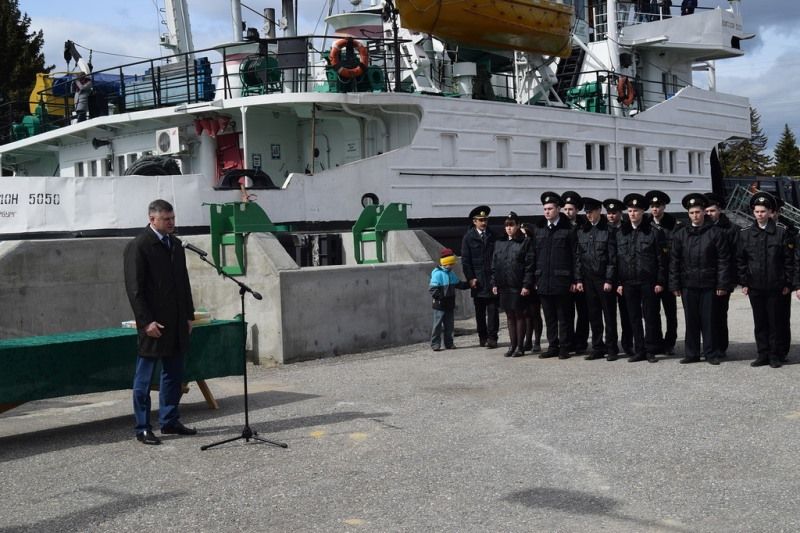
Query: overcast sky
(768, 74)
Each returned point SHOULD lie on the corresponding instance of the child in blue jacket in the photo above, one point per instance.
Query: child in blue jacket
(443, 287)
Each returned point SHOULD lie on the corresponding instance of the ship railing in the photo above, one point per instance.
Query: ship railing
(295, 62)
(628, 15)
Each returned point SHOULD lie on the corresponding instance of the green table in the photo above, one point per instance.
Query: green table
(34, 368)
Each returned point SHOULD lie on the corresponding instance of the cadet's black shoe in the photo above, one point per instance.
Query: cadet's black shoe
(178, 429)
(563, 355)
(611, 357)
(713, 360)
(775, 363)
(689, 360)
(596, 354)
(651, 358)
(759, 362)
(509, 353)
(581, 350)
(536, 347)
(548, 354)
(482, 342)
(518, 353)
(528, 346)
(669, 350)
(637, 358)
(147, 437)
(451, 347)
(491, 344)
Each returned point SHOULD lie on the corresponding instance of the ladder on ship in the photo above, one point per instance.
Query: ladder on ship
(568, 72)
(739, 211)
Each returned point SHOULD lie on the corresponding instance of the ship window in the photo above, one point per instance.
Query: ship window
(561, 154)
(448, 149)
(504, 151)
(672, 155)
(661, 161)
(700, 162)
(627, 153)
(639, 159)
(544, 149)
(131, 159)
(691, 162)
(589, 156)
(93, 168)
(79, 169)
(603, 159)
(120, 170)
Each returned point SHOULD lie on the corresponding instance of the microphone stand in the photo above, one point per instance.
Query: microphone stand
(247, 432)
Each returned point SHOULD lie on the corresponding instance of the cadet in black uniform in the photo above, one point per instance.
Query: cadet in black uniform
(573, 203)
(642, 272)
(554, 259)
(533, 323)
(765, 260)
(614, 209)
(667, 223)
(785, 332)
(477, 249)
(698, 273)
(512, 281)
(722, 303)
(595, 275)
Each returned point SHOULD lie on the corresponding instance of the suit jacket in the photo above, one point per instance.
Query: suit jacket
(157, 284)
(553, 256)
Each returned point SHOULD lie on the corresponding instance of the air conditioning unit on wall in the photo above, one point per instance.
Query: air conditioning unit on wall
(168, 141)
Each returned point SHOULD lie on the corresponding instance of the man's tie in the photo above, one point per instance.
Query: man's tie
(550, 225)
(167, 242)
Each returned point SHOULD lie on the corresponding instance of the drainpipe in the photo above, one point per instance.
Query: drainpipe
(383, 133)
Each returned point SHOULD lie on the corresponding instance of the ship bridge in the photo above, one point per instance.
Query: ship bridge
(703, 36)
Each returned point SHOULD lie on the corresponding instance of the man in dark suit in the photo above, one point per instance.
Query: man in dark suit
(614, 209)
(157, 284)
(721, 303)
(477, 249)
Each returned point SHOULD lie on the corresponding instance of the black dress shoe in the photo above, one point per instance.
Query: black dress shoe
(491, 344)
(759, 362)
(548, 354)
(528, 346)
(775, 363)
(637, 358)
(537, 347)
(482, 342)
(689, 360)
(147, 437)
(610, 357)
(509, 353)
(651, 358)
(563, 355)
(596, 354)
(178, 429)
(713, 360)
(518, 353)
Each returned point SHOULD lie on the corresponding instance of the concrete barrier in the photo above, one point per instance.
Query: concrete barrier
(77, 284)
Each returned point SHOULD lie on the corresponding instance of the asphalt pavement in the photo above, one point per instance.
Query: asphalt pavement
(407, 439)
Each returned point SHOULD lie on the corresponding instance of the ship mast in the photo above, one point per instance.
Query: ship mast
(178, 38)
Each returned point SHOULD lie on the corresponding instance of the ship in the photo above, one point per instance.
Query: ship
(439, 105)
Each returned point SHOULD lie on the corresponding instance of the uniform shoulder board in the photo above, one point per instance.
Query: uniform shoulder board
(747, 227)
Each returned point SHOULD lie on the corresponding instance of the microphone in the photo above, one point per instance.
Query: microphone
(194, 248)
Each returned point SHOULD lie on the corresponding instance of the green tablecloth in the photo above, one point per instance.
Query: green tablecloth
(33, 368)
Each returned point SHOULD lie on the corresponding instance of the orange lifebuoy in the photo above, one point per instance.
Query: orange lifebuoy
(363, 58)
(626, 94)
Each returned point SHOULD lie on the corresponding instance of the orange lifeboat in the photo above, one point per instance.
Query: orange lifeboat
(539, 26)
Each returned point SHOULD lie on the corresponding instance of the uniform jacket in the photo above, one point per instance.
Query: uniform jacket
(554, 256)
(668, 225)
(157, 284)
(512, 264)
(731, 232)
(443, 287)
(476, 260)
(699, 258)
(765, 258)
(596, 257)
(641, 254)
